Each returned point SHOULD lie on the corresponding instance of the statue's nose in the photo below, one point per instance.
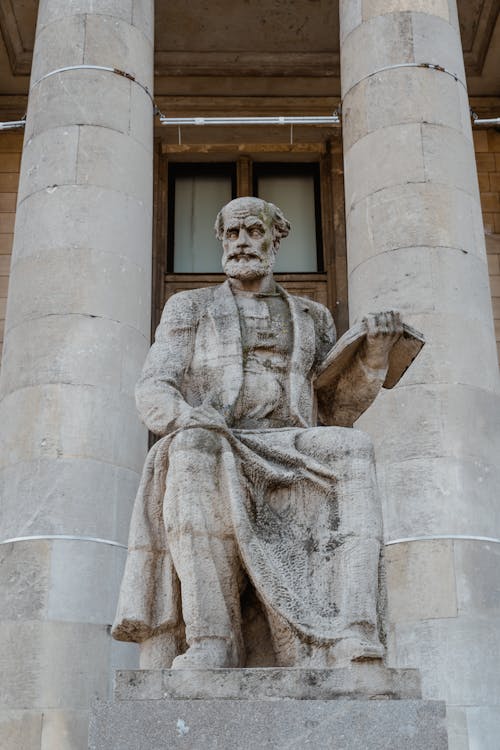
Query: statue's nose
(242, 238)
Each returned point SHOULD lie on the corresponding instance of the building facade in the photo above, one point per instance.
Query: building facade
(104, 212)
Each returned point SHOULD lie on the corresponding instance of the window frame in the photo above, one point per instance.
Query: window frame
(191, 169)
(309, 169)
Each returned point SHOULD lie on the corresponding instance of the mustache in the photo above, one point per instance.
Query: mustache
(241, 254)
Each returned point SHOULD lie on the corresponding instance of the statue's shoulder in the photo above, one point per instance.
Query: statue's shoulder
(190, 299)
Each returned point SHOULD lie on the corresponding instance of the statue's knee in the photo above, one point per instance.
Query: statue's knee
(325, 443)
(195, 439)
(317, 442)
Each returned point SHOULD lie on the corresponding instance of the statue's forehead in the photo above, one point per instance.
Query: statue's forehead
(242, 215)
(245, 212)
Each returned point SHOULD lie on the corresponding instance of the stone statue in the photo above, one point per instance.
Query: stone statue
(258, 479)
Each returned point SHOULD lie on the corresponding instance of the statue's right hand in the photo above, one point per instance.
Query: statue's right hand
(201, 416)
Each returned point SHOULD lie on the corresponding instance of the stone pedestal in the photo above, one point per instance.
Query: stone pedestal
(364, 707)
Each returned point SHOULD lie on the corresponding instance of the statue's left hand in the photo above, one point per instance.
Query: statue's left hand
(384, 329)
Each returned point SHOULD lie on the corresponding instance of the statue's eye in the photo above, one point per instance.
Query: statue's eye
(232, 234)
(255, 232)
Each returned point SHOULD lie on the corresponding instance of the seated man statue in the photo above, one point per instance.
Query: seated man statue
(258, 477)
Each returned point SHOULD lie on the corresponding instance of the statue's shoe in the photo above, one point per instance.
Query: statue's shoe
(357, 648)
(207, 653)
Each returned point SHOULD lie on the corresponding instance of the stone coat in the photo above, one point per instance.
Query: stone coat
(197, 359)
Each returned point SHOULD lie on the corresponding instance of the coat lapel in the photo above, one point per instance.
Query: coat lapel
(226, 323)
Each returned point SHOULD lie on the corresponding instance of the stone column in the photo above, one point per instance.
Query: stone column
(416, 243)
(76, 334)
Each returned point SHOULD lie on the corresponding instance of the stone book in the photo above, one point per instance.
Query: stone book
(340, 356)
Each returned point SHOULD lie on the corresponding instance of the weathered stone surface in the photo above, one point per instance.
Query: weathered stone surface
(86, 497)
(463, 411)
(409, 566)
(114, 161)
(40, 659)
(256, 724)
(350, 17)
(64, 729)
(360, 681)
(449, 158)
(445, 495)
(55, 99)
(483, 727)
(382, 159)
(118, 44)
(142, 17)
(73, 411)
(25, 580)
(433, 644)
(420, 153)
(49, 160)
(412, 281)
(58, 9)
(42, 295)
(456, 723)
(84, 581)
(385, 40)
(113, 353)
(20, 729)
(396, 38)
(62, 41)
(436, 216)
(373, 104)
(60, 579)
(434, 38)
(123, 656)
(477, 594)
(74, 216)
(432, 7)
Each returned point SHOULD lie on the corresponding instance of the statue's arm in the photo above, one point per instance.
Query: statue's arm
(344, 401)
(158, 393)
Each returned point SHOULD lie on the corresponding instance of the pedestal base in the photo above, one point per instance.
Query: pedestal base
(364, 707)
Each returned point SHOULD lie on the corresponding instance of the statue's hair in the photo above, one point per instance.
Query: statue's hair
(280, 225)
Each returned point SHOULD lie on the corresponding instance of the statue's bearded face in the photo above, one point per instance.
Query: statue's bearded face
(248, 245)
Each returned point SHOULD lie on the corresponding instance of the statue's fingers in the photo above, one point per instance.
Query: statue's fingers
(381, 323)
(371, 324)
(396, 324)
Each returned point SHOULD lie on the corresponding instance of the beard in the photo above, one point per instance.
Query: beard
(247, 268)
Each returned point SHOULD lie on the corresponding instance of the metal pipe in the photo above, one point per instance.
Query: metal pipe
(492, 121)
(64, 537)
(12, 125)
(452, 537)
(319, 120)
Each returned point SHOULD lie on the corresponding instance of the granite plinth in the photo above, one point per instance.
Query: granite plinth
(362, 707)
(361, 681)
(257, 724)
